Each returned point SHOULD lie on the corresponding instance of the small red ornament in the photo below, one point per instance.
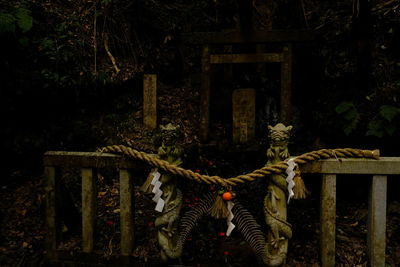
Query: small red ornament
(227, 196)
(226, 253)
(221, 233)
(197, 170)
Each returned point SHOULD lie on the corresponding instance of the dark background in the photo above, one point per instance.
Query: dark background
(59, 89)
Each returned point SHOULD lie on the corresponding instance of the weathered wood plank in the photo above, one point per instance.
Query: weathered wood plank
(376, 239)
(205, 94)
(150, 100)
(286, 84)
(89, 208)
(385, 165)
(246, 58)
(86, 160)
(126, 212)
(257, 36)
(50, 176)
(328, 220)
(243, 115)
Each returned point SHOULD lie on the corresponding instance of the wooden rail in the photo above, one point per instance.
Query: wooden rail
(379, 169)
(246, 58)
(90, 162)
(257, 36)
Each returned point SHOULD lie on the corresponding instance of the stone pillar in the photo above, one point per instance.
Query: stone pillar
(150, 100)
(243, 105)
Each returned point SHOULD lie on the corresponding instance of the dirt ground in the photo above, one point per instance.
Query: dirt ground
(23, 231)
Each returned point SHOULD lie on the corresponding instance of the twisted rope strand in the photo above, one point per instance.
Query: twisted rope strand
(260, 173)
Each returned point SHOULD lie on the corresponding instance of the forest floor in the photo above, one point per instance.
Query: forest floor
(23, 231)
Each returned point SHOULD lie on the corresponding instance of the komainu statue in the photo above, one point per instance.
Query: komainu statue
(167, 222)
(275, 201)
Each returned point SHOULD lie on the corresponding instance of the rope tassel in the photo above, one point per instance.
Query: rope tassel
(219, 210)
(299, 188)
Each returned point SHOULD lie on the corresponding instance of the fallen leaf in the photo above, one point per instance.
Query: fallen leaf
(167, 38)
(100, 194)
(354, 224)
(116, 211)
(25, 244)
(39, 198)
(115, 191)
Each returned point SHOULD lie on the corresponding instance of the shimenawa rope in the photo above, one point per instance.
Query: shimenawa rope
(226, 182)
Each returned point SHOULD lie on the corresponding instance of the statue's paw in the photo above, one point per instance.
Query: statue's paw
(168, 231)
(284, 154)
(275, 243)
(270, 153)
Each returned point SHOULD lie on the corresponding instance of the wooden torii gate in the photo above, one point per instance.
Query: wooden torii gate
(206, 39)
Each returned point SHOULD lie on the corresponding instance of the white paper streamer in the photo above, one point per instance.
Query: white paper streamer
(156, 187)
(157, 196)
(289, 179)
(156, 176)
(160, 205)
(157, 191)
(231, 226)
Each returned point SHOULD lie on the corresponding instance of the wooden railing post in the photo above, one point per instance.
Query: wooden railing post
(286, 84)
(127, 212)
(328, 219)
(377, 221)
(51, 177)
(205, 94)
(89, 207)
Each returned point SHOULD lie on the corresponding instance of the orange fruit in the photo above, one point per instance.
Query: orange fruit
(227, 196)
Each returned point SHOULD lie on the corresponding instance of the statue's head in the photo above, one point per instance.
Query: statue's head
(279, 134)
(169, 134)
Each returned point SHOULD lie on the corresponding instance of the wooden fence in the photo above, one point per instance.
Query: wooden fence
(89, 162)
